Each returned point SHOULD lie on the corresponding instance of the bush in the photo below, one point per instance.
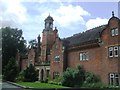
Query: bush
(73, 77)
(20, 77)
(30, 74)
(91, 78)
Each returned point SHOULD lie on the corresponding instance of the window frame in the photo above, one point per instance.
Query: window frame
(111, 77)
(57, 58)
(113, 80)
(83, 56)
(110, 49)
(116, 49)
(114, 32)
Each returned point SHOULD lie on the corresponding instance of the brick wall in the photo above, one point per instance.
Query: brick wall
(57, 66)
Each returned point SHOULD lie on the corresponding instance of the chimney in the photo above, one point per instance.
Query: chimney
(39, 43)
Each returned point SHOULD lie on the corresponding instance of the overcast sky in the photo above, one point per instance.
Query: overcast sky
(69, 17)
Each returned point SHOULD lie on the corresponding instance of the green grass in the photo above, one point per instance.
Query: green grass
(39, 85)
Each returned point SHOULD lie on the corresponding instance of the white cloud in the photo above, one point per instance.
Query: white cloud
(67, 15)
(13, 13)
(91, 23)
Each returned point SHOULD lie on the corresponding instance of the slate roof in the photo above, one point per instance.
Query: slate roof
(85, 37)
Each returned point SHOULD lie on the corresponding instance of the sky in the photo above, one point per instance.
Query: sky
(70, 16)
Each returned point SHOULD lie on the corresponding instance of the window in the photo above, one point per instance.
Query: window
(114, 79)
(116, 51)
(119, 51)
(117, 79)
(111, 79)
(57, 58)
(110, 51)
(83, 56)
(114, 32)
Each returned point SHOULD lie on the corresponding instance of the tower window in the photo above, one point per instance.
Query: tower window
(57, 58)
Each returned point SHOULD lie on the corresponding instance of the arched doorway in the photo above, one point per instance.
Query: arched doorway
(42, 74)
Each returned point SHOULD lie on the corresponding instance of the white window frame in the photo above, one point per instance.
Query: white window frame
(83, 56)
(116, 50)
(110, 50)
(113, 79)
(118, 79)
(112, 76)
(119, 51)
(87, 57)
(116, 31)
(113, 32)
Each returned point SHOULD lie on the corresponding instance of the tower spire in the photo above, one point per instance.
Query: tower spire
(49, 13)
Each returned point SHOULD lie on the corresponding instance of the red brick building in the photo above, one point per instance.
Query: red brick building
(97, 50)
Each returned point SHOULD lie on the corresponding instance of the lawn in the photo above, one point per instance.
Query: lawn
(39, 85)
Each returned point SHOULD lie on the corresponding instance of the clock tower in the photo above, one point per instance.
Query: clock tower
(48, 38)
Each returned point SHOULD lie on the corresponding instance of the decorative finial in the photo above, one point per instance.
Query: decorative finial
(112, 13)
(49, 14)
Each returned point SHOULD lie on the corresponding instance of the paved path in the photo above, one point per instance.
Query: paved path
(8, 86)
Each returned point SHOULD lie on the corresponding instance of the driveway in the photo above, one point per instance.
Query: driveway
(8, 86)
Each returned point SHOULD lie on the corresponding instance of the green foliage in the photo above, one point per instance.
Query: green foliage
(91, 78)
(56, 81)
(20, 77)
(12, 41)
(73, 77)
(11, 70)
(30, 74)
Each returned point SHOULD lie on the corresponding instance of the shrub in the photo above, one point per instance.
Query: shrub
(20, 77)
(68, 77)
(30, 74)
(73, 77)
(91, 78)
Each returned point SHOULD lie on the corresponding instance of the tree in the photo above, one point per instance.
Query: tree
(32, 43)
(11, 70)
(30, 74)
(12, 41)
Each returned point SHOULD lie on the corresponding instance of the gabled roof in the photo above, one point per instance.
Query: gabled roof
(81, 38)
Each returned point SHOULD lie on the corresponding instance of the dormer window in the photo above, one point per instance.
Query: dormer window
(114, 31)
